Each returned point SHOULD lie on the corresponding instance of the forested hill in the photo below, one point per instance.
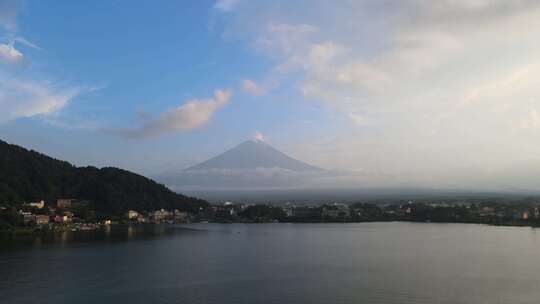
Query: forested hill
(28, 175)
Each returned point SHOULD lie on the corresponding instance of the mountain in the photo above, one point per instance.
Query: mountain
(253, 154)
(28, 175)
(253, 164)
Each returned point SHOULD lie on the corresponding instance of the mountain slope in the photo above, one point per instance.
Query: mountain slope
(254, 154)
(252, 164)
(28, 175)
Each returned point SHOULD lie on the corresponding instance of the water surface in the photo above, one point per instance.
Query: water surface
(277, 263)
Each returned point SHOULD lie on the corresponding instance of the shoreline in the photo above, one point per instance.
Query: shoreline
(40, 231)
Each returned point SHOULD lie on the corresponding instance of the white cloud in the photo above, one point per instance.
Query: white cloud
(251, 87)
(226, 5)
(285, 39)
(532, 121)
(9, 9)
(26, 98)
(26, 42)
(9, 54)
(191, 115)
(443, 82)
(358, 119)
(259, 136)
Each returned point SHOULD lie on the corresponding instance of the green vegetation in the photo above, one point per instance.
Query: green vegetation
(263, 213)
(30, 176)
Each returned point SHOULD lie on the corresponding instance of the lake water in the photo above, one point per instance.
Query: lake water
(277, 263)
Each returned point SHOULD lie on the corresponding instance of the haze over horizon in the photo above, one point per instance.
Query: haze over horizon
(421, 94)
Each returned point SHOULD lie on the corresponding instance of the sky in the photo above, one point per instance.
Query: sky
(417, 93)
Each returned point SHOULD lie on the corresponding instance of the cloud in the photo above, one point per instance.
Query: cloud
(532, 121)
(9, 54)
(259, 136)
(27, 43)
(27, 98)
(251, 87)
(226, 5)
(189, 116)
(449, 84)
(406, 58)
(358, 119)
(9, 9)
(21, 93)
(281, 40)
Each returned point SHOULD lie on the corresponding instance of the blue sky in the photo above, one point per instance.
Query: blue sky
(128, 62)
(409, 92)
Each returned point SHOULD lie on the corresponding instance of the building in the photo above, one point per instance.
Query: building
(58, 219)
(336, 211)
(42, 219)
(132, 214)
(181, 217)
(159, 216)
(142, 219)
(67, 217)
(28, 218)
(64, 203)
(38, 205)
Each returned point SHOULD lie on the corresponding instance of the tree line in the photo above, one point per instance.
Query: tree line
(27, 175)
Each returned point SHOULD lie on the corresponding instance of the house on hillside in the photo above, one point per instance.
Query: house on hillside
(159, 216)
(38, 205)
(28, 218)
(132, 214)
(67, 217)
(42, 219)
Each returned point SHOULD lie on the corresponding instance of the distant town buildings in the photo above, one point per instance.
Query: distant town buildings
(42, 219)
(76, 214)
(132, 214)
(64, 203)
(336, 212)
(181, 217)
(38, 205)
(159, 216)
(28, 218)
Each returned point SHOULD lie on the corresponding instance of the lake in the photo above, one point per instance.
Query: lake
(277, 263)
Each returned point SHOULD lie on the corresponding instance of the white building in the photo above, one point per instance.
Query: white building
(38, 205)
(132, 214)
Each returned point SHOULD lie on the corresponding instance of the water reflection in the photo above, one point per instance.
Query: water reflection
(107, 229)
(386, 263)
(117, 233)
(131, 233)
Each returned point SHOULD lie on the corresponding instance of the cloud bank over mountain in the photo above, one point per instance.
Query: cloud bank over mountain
(434, 91)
